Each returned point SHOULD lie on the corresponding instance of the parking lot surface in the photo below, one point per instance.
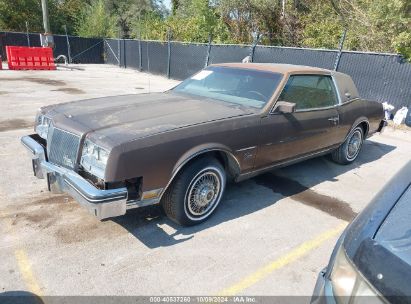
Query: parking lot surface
(271, 235)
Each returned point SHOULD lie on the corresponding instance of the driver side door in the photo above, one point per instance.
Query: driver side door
(310, 129)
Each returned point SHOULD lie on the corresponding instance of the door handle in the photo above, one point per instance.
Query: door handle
(334, 119)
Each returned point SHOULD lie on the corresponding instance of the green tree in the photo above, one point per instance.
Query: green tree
(174, 6)
(193, 21)
(373, 25)
(321, 26)
(14, 14)
(126, 11)
(95, 21)
(68, 13)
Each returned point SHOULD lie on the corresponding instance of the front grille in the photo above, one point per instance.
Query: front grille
(63, 147)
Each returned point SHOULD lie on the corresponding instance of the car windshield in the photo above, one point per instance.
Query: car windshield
(234, 85)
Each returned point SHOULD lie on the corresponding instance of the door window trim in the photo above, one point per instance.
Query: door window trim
(334, 84)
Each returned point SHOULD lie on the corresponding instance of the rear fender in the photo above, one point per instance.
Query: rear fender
(357, 122)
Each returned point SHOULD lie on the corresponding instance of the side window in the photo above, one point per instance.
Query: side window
(310, 91)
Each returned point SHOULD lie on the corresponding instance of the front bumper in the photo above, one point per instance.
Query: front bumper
(102, 203)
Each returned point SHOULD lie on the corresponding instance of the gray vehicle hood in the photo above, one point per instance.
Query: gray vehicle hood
(110, 121)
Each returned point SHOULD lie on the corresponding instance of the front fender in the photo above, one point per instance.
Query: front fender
(233, 165)
(201, 149)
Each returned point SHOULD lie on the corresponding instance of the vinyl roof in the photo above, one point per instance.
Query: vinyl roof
(275, 67)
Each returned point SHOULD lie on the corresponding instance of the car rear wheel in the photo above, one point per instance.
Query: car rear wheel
(351, 147)
(195, 193)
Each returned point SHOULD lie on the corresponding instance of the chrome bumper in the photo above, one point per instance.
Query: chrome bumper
(323, 293)
(102, 203)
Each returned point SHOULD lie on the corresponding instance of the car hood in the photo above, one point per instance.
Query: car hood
(378, 240)
(118, 119)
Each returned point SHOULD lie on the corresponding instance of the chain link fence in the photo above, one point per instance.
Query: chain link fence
(228, 53)
(186, 59)
(78, 49)
(380, 77)
(318, 58)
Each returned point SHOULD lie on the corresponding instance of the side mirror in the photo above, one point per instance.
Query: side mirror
(284, 107)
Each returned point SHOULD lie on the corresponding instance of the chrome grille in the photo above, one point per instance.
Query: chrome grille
(62, 147)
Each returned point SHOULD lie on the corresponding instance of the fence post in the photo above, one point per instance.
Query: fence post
(68, 45)
(210, 39)
(168, 52)
(255, 42)
(124, 53)
(118, 48)
(27, 33)
(148, 58)
(140, 59)
(140, 55)
(340, 47)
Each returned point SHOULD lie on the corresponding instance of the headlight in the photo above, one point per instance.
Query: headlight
(42, 125)
(349, 286)
(94, 159)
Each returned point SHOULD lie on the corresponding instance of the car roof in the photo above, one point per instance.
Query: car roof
(276, 67)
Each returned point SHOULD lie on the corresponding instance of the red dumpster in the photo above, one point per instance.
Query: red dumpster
(30, 58)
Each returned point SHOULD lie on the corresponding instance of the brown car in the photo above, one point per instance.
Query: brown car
(179, 147)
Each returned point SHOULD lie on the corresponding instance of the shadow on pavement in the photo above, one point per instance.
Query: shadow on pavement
(150, 226)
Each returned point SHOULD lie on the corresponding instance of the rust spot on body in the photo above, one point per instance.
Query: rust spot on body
(293, 189)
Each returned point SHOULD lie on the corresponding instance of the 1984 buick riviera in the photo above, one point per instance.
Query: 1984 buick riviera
(179, 147)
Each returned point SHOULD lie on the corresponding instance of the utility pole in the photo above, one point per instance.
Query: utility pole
(46, 38)
(45, 9)
(27, 34)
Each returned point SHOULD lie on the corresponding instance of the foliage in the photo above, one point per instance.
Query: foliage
(402, 44)
(125, 11)
(95, 21)
(15, 14)
(322, 28)
(372, 25)
(194, 21)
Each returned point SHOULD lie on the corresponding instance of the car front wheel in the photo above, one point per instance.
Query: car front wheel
(351, 147)
(196, 192)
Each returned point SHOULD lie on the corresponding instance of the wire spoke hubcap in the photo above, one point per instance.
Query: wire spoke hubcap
(203, 193)
(354, 144)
